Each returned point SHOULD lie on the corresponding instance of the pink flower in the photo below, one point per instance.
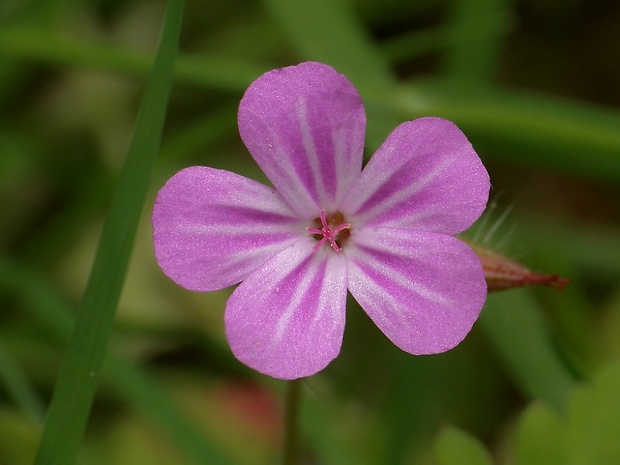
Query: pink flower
(385, 233)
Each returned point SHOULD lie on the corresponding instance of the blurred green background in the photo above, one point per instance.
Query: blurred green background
(533, 83)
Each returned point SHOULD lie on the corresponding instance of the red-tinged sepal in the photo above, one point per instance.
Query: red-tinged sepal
(501, 272)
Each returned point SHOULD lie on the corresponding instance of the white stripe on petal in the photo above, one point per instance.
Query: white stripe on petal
(293, 117)
(286, 173)
(298, 296)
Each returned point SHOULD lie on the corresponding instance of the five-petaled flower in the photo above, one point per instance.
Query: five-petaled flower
(384, 233)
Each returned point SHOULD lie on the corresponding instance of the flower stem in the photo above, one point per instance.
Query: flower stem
(291, 413)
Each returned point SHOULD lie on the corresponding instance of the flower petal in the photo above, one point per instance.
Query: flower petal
(423, 290)
(287, 319)
(304, 125)
(213, 228)
(425, 176)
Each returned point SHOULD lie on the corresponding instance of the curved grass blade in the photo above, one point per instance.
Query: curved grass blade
(82, 363)
(131, 382)
(220, 72)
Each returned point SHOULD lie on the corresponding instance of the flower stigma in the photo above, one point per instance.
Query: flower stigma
(333, 228)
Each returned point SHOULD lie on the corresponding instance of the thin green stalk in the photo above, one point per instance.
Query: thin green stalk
(513, 323)
(79, 373)
(291, 415)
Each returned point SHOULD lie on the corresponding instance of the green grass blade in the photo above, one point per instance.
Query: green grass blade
(220, 72)
(80, 370)
(521, 127)
(524, 128)
(413, 44)
(131, 383)
(328, 31)
(18, 386)
(475, 37)
(514, 326)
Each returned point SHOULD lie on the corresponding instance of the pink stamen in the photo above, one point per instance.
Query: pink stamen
(329, 234)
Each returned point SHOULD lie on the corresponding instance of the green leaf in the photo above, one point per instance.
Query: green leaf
(455, 447)
(594, 421)
(79, 374)
(540, 437)
(588, 435)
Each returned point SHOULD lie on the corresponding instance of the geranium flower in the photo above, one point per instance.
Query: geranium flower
(385, 233)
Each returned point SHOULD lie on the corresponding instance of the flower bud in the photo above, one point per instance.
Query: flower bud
(501, 272)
